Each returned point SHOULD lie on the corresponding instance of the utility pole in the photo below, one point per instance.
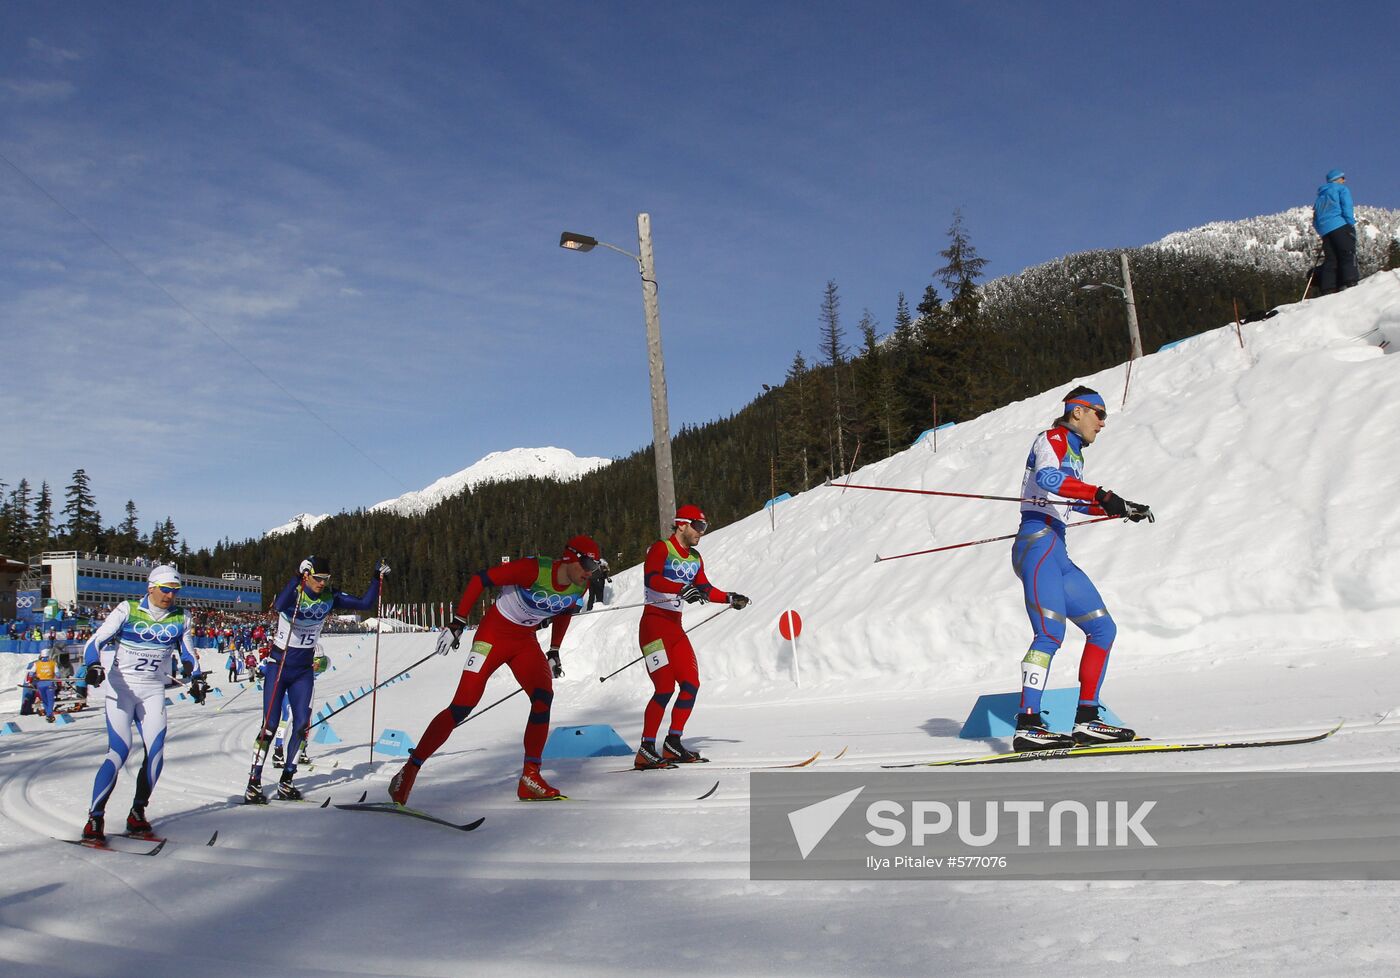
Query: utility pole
(660, 416)
(1134, 338)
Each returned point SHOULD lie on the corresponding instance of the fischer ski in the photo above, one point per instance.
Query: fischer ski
(116, 843)
(731, 767)
(391, 809)
(1127, 747)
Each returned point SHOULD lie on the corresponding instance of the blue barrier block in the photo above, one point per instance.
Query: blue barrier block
(325, 735)
(181, 696)
(994, 714)
(61, 718)
(593, 740)
(9, 728)
(781, 497)
(217, 692)
(923, 434)
(394, 742)
(169, 702)
(344, 700)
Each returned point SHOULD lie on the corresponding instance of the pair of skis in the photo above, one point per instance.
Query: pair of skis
(131, 843)
(1120, 749)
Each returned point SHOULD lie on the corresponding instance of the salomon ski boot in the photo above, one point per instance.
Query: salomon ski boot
(1033, 734)
(286, 791)
(278, 758)
(253, 794)
(1089, 729)
(648, 759)
(136, 823)
(93, 830)
(677, 753)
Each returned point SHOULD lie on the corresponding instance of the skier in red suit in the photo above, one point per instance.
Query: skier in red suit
(534, 590)
(673, 573)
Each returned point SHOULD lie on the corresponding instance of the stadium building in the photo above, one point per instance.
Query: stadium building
(88, 580)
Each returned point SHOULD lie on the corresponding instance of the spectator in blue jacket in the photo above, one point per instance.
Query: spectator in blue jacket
(1336, 225)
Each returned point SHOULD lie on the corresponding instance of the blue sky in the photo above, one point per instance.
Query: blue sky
(365, 201)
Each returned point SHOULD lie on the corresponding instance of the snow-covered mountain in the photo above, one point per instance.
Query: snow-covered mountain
(301, 521)
(516, 463)
(1286, 241)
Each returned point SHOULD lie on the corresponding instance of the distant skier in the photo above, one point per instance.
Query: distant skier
(673, 573)
(45, 680)
(534, 591)
(1055, 588)
(145, 633)
(1335, 223)
(289, 669)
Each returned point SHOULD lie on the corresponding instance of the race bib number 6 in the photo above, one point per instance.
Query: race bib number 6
(476, 658)
(654, 655)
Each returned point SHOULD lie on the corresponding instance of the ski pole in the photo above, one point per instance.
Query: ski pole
(958, 495)
(374, 693)
(621, 607)
(492, 706)
(386, 682)
(974, 543)
(603, 679)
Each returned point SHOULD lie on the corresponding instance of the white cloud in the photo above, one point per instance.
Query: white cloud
(29, 90)
(50, 54)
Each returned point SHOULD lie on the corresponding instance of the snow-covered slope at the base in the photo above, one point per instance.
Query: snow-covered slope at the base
(517, 463)
(1263, 601)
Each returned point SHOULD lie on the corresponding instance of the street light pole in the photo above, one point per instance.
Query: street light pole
(1126, 291)
(1133, 336)
(660, 414)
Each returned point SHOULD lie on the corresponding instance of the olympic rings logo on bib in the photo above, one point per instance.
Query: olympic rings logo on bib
(315, 611)
(158, 633)
(682, 570)
(546, 601)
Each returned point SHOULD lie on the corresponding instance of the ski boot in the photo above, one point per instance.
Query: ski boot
(286, 791)
(136, 823)
(93, 830)
(533, 786)
(1089, 729)
(303, 757)
(1032, 734)
(648, 759)
(253, 794)
(278, 758)
(678, 753)
(402, 784)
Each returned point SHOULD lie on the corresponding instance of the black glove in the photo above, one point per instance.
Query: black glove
(454, 629)
(1115, 505)
(96, 675)
(554, 667)
(738, 601)
(691, 594)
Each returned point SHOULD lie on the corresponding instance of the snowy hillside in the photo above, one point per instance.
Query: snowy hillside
(517, 463)
(1264, 600)
(1285, 241)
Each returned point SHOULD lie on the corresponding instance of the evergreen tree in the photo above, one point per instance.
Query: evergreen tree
(41, 537)
(796, 431)
(165, 539)
(833, 341)
(129, 533)
(960, 273)
(83, 529)
(19, 524)
(1392, 255)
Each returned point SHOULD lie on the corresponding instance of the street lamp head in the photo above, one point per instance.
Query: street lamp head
(577, 242)
(1089, 288)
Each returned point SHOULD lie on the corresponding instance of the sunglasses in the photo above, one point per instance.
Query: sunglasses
(167, 589)
(699, 525)
(590, 564)
(323, 578)
(1100, 413)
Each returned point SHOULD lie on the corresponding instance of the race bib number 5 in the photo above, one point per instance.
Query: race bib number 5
(476, 658)
(654, 655)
